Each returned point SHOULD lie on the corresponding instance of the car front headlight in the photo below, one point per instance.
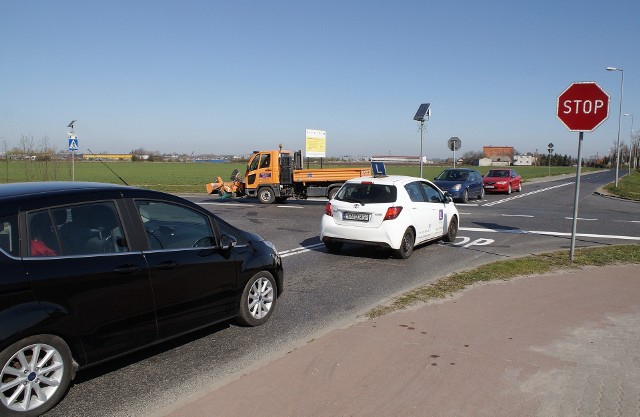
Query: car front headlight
(456, 187)
(501, 182)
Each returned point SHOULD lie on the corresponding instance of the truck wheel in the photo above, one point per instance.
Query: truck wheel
(332, 192)
(266, 195)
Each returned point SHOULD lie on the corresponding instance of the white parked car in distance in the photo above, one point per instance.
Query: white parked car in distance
(396, 212)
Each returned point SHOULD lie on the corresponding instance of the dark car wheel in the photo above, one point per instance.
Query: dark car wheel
(332, 246)
(35, 375)
(465, 196)
(406, 246)
(520, 187)
(481, 195)
(266, 195)
(258, 299)
(509, 189)
(452, 230)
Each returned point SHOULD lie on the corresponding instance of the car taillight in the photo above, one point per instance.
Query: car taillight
(327, 210)
(392, 213)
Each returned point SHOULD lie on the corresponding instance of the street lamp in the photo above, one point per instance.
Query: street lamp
(619, 116)
(630, 139)
(550, 149)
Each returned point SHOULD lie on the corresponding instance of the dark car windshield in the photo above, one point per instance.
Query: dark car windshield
(366, 193)
(498, 173)
(452, 175)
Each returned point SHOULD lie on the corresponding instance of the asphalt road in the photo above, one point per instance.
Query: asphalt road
(324, 291)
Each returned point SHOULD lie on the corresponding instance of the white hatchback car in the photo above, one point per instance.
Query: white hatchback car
(396, 212)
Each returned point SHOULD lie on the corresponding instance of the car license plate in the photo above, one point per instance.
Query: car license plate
(359, 217)
(488, 186)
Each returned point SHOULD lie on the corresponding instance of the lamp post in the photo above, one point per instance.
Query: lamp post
(550, 149)
(619, 117)
(630, 139)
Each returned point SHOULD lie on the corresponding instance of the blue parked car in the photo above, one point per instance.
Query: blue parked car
(461, 183)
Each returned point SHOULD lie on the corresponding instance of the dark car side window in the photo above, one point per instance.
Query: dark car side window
(79, 229)
(171, 226)
(43, 240)
(9, 234)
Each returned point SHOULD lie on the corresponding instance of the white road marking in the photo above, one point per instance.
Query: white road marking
(537, 232)
(516, 215)
(580, 218)
(527, 194)
(296, 207)
(225, 204)
(297, 251)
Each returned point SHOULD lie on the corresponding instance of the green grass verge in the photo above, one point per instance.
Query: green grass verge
(191, 177)
(507, 269)
(628, 186)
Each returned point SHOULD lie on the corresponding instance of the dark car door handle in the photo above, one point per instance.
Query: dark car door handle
(168, 265)
(126, 269)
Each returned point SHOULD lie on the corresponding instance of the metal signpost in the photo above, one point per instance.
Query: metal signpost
(550, 149)
(422, 115)
(454, 144)
(73, 146)
(582, 107)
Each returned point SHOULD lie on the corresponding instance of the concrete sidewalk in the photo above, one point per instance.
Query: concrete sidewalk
(564, 344)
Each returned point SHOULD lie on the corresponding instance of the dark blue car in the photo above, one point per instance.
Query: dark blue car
(461, 183)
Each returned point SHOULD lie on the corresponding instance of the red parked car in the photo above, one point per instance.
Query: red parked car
(502, 181)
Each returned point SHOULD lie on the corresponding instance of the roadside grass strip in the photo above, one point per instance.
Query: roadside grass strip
(505, 270)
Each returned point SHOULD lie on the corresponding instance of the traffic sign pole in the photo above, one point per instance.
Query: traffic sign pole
(576, 198)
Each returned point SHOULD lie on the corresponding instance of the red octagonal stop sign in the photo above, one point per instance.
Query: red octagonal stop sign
(583, 106)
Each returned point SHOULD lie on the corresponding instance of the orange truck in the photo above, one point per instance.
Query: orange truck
(276, 175)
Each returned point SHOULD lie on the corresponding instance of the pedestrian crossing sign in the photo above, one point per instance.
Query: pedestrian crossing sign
(73, 143)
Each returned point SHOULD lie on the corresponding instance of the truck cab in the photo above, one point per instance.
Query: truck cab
(269, 176)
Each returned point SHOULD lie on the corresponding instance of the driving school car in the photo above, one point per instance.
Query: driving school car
(395, 212)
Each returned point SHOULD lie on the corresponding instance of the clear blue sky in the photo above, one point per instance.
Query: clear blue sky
(233, 76)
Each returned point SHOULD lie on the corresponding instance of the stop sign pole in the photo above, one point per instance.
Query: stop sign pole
(582, 107)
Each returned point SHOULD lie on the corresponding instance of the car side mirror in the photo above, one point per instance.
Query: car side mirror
(447, 197)
(227, 242)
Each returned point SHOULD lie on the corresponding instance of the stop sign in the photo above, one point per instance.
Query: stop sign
(583, 106)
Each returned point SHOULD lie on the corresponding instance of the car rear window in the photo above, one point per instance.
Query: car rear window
(367, 193)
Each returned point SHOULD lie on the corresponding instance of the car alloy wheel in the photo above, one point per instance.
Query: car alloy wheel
(481, 195)
(36, 372)
(258, 299)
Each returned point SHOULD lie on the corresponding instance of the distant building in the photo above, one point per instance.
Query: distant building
(398, 159)
(523, 160)
(110, 156)
(498, 155)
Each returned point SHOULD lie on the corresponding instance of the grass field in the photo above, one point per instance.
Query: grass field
(628, 186)
(189, 177)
